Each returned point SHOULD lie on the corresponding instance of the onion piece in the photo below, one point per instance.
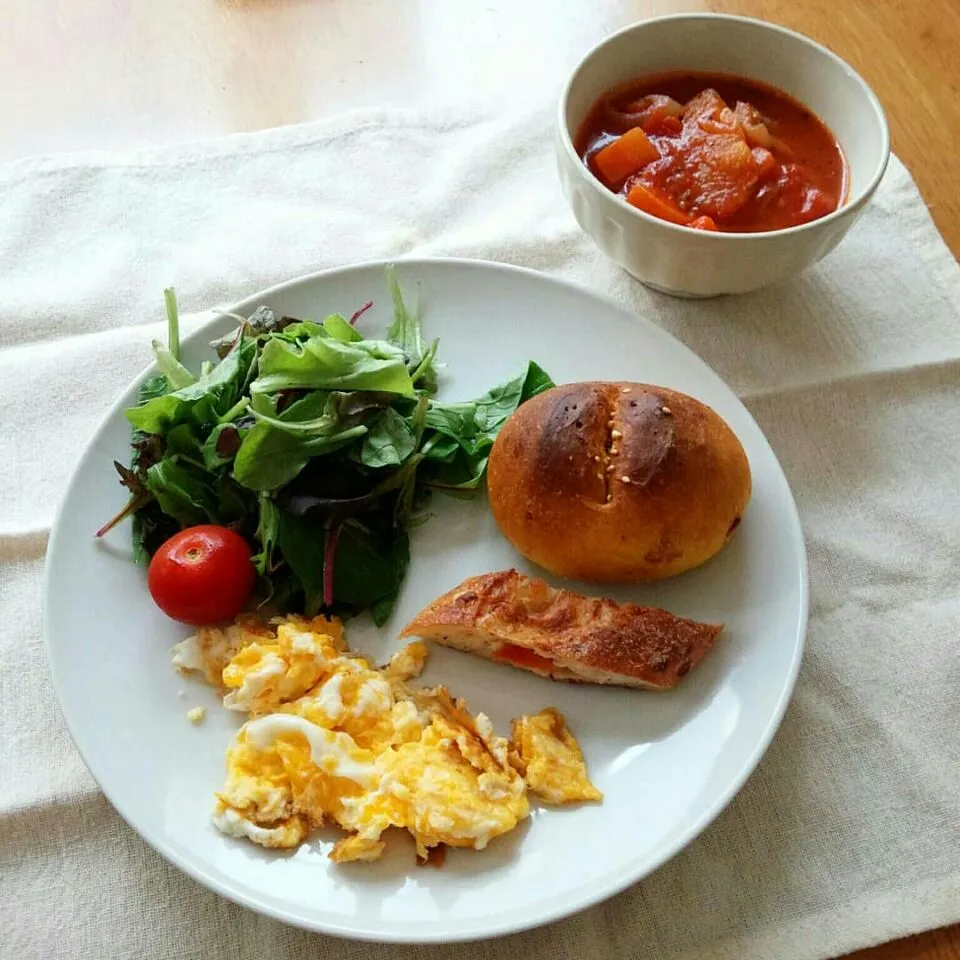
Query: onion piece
(636, 112)
(756, 131)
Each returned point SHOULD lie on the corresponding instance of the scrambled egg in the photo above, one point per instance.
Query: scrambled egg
(549, 757)
(333, 739)
(196, 715)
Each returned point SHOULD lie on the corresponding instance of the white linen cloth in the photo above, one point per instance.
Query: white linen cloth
(848, 834)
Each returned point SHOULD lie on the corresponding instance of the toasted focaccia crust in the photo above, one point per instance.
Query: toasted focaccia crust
(521, 620)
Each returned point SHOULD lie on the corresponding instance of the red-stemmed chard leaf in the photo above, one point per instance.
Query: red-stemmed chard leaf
(329, 553)
(361, 312)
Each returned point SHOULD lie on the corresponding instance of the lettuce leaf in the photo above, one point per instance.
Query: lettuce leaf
(325, 363)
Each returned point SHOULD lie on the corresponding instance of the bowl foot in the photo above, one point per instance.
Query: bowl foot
(679, 294)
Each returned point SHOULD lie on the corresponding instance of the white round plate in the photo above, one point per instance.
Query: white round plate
(667, 763)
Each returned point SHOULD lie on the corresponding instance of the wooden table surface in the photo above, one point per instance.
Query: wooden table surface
(114, 74)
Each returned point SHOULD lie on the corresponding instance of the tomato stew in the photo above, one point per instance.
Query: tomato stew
(714, 152)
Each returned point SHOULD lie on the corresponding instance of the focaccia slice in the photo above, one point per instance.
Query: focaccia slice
(520, 620)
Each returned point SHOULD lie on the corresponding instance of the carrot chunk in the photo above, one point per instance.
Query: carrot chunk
(625, 156)
(656, 203)
(668, 126)
(703, 223)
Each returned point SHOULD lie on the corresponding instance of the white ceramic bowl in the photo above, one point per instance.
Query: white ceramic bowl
(694, 263)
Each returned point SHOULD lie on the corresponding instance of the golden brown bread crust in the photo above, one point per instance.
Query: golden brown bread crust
(617, 482)
(581, 638)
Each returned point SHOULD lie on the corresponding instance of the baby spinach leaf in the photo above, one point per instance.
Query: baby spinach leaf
(182, 493)
(201, 402)
(236, 506)
(370, 568)
(463, 474)
(284, 591)
(381, 610)
(225, 379)
(302, 544)
(157, 415)
(153, 387)
(407, 477)
(497, 404)
(151, 528)
(457, 421)
(536, 381)
(475, 424)
(279, 446)
(269, 458)
(390, 441)
(441, 448)
(329, 509)
(463, 433)
(333, 503)
(183, 442)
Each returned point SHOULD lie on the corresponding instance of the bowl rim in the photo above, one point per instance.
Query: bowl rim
(842, 211)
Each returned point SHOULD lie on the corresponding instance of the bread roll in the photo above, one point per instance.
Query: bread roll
(617, 482)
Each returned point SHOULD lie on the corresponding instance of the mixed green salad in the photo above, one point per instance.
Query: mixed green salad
(319, 446)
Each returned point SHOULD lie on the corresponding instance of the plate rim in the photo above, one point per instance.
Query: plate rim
(612, 885)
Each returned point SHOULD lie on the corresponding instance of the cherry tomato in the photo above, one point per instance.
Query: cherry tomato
(202, 575)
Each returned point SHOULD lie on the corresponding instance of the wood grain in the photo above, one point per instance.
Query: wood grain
(113, 74)
(935, 945)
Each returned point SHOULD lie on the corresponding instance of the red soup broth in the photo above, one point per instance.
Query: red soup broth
(714, 152)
